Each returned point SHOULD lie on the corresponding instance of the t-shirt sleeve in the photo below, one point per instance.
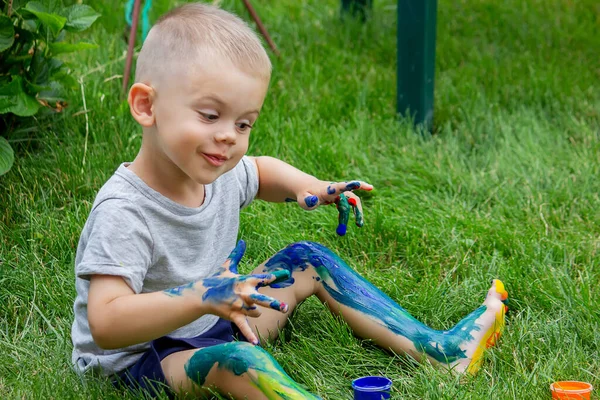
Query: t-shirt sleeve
(115, 241)
(247, 178)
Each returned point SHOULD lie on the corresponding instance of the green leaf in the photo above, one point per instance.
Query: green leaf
(17, 4)
(46, 67)
(65, 79)
(58, 48)
(32, 25)
(53, 21)
(56, 92)
(35, 88)
(7, 33)
(14, 99)
(7, 156)
(79, 17)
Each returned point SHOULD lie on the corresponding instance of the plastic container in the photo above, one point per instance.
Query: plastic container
(371, 388)
(572, 390)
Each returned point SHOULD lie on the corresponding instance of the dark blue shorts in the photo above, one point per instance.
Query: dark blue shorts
(147, 375)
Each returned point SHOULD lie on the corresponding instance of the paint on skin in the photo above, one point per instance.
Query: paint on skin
(360, 222)
(221, 291)
(353, 185)
(331, 190)
(236, 255)
(343, 214)
(178, 291)
(239, 358)
(221, 288)
(280, 276)
(349, 288)
(311, 201)
(275, 304)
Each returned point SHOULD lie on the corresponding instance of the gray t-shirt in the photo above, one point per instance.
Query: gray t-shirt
(155, 244)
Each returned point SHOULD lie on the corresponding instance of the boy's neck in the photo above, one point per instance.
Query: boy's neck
(164, 177)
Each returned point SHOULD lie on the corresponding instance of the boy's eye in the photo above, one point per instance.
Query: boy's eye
(209, 116)
(243, 126)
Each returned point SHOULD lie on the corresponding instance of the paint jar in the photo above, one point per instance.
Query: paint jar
(572, 390)
(371, 388)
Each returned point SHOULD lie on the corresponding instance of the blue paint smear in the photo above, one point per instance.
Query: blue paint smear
(274, 304)
(349, 288)
(330, 190)
(311, 201)
(219, 290)
(236, 255)
(178, 291)
(353, 185)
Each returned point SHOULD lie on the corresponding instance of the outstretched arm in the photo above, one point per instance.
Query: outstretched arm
(118, 317)
(279, 181)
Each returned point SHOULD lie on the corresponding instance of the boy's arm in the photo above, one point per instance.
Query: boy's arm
(279, 181)
(118, 317)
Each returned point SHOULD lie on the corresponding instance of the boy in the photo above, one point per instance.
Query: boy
(159, 303)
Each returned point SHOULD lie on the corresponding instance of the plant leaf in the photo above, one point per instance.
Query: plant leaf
(14, 99)
(7, 156)
(17, 4)
(79, 17)
(53, 21)
(56, 92)
(58, 48)
(7, 33)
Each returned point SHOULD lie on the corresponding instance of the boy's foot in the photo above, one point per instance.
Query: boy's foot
(490, 323)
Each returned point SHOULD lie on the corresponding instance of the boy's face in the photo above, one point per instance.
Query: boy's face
(203, 119)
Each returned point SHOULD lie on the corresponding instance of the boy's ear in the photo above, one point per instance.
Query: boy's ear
(140, 99)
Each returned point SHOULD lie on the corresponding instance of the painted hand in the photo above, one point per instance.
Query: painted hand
(340, 193)
(235, 297)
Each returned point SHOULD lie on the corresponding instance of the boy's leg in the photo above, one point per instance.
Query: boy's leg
(372, 314)
(238, 369)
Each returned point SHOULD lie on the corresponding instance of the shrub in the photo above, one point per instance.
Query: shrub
(32, 79)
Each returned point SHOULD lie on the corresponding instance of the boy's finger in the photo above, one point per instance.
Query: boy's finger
(336, 188)
(308, 201)
(278, 276)
(235, 256)
(343, 208)
(251, 310)
(354, 201)
(242, 323)
(267, 301)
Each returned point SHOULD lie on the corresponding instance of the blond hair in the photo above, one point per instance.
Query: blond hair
(199, 33)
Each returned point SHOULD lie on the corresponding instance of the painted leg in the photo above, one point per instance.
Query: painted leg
(237, 369)
(374, 315)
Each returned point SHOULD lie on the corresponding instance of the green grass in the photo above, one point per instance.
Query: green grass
(507, 187)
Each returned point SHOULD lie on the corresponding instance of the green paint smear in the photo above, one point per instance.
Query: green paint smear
(239, 358)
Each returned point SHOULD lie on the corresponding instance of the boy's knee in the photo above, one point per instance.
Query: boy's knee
(301, 255)
(235, 357)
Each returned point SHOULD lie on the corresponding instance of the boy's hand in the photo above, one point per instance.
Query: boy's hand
(234, 297)
(340, 193)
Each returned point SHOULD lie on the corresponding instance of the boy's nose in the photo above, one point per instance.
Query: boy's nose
(226, 136)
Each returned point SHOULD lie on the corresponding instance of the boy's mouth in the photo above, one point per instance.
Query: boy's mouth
(215, 159)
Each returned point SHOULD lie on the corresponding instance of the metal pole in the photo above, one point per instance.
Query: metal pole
(416, 59)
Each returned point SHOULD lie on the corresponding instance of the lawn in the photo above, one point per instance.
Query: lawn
(506, 186)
